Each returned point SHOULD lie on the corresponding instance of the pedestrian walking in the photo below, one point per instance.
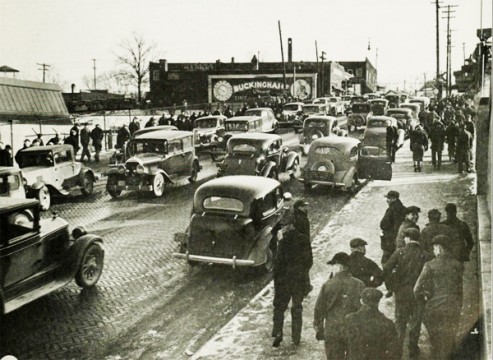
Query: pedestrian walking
(85, 137)
(391, 138)
(451, 133)
(463, 149)
(6, 155)
(122, 137)
(150, 123)
(291, 266)
(361, 267)
(410, 221)
(437, 138)
(55, 140)
(390, 223)
(401, 273)
(435, 228)
(419, 144)
(73, 140)
(134, 126)
(338, 297)
(460, 229)
(369, 334)
(97, 136)
(439, 287)
(300, 213)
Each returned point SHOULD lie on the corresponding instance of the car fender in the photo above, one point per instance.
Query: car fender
(291, 158)
(112, 171)
(267, 168)
(36, 186)
(161, 171)
(348, 176)
(85, 171)
(258, 252)
(77, 250)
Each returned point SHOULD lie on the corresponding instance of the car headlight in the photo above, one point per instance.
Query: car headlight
(140, 169)
(314, 136)
(220, 139)
(121, 169)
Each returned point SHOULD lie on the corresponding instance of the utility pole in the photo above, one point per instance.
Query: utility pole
(282, 56)
(438, 82)
(318, 68)
(449, 47)
(94, 67)
(464, 52)
(44, 69)
(323, 72)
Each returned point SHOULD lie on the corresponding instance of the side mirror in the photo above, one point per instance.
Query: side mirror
(287, 196)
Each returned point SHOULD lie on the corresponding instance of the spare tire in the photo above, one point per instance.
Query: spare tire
(326, 166)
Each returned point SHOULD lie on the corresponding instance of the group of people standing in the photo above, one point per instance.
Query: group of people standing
(84, 137)
(421, 268)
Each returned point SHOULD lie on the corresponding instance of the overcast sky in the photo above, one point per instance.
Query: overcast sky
(67, 34)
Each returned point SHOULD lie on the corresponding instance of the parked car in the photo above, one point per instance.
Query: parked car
(310, 110)
(52, 170)
(11, 183)
(336, 106)
(379, 106)
(336, 161)
(39, 256)
(360, 112)
(404, 117)
(415, 108)
(269, 121)
(258, 154)
(233, 126)
(376, 132)
(207, 129)
(232, 221)
(290, 113)
(157, 158)
(316, 127)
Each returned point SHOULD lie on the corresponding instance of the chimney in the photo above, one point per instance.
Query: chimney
(233, 60)
(72, 87)
(164, 62)
(290, 50)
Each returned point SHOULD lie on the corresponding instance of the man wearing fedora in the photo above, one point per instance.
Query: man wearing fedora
(338, 297)
(390, 223)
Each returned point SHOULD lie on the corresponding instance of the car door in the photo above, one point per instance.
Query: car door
(187, 154)
(374, 163)
(274, 152)
(64, 168)
(174, 161)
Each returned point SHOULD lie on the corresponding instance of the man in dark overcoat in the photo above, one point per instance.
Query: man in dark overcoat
(439, 286)
(292, 263)
(134, 126)
(463, 148)
(437, 138)
(361, 267)
(451, 136)
(338, 297)
(85, 137)
(460, 229)
(410, 221)
(73, 140)
(390, 223)
(419, 144)
(370, 334)
(434, 228)
(401, 273)
(97, 136)
(122, 136)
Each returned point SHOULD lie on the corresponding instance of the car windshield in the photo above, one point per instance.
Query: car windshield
(360, 108)
(311, 109)
(38, 158)
(358, 99)
(378, 102)
(333, 99)
(315, 123)
(378, 123)
(291, 107)
(326, 150)
(373, 151)
(244, 148)
(150, 146)
(222, 203)
(253, 112)
(205, 123)
(236, 126)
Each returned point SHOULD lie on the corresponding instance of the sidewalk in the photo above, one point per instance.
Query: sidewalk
(247, 335)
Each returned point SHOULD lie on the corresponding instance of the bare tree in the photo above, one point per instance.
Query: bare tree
(134, 56)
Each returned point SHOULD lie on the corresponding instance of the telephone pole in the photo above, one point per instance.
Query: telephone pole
(323, 72)
(437, 80)
(449, 47)
(94, 67)
(44, 69)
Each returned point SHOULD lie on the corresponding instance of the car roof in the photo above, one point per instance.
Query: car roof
(294, 103)
(243, 187)
(243, 118)
(47, 148)
(409, 104)
(162, 135)
(321, 117)
(339, 141)
(307, 105)
(8, 203)
(399, 110)
(9, 170)
(211, 117)
(380, 117)
(260, 108)
(256, 136)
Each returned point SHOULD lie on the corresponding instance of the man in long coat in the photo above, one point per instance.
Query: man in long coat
(85, 137)
(461, 230)
(97, 136)
(435, 228)
(419, 144)
(463, 149)
(437, 138)
(410, 221)
(361, 267)
(390, 223)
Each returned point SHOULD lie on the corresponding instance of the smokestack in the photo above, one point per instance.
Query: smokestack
(232, 60)
(164, 63)
(290, 50)
(73, 88)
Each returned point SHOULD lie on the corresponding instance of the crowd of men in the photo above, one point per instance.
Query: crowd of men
(421, 268)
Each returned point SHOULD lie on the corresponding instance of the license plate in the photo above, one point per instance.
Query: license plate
(121, 183)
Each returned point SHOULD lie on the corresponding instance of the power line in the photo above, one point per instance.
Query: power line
(449, 48)
(44, 69)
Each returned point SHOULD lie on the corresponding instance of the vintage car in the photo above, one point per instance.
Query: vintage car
(310, 110)
(371, 96)
(258, 154)
(38, 256)
(290, 113)
(11, 183)
(316, 127)
(337, 162)
(346, 100)
(376, 132)
(394, 100)
(232, 221)
(405, 117)
(415, 108)
(358, 99)
(207, 129)
(360, 112)
(336, 105)
(158, 158)
(269, 121)
(423, 101)
(379, 106)
(233, 126)
(52, 170)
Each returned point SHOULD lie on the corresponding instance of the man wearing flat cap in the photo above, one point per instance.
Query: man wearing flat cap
(361, 267)
(435, 228)
(410, 221)
(302, 223)
(401, 273)
(439, 287)
(461, 229)
(338, 297)
(370, 334)
(390, 223)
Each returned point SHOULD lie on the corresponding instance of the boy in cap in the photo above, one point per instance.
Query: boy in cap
(338, 297)
(390, 223)
(361, 267)
(439, 287)
(410, 221)
(369, 333)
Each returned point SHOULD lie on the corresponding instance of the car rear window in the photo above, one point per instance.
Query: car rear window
(244, 148)
(291, 107)
(223, 203)
(204, 124)
(326, 150)
(236, 126)
(361, 108)
(316, 123)
(373, 151)
(378, 123)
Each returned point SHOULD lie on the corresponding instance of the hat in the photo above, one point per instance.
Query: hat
(441, 240)
(392, 194)
(434, 213)
(451, 208)
(356, 242)
(371, 295)
(299, 203)
(412, 210)
(339, 258)
(97, 124)
(412, 233)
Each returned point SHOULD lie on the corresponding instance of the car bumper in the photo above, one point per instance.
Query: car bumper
(123, 185)
(234, 262)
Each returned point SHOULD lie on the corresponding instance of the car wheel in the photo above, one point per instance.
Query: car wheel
(44, 197)
(352, 189)
(111, 182)
(87, 184)
(269, 264)
(91, 266)
(194, 174)
(158, 185)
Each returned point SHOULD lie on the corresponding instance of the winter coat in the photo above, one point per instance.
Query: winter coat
(133, 127)
(122, 136)
(97, 136)
(406, 224)
(419, 144)
(437, 136)
(365, 269)
(72, 140)
(433, 229)
(464, 142)
(85, 136)
(461, 229)
(391, 221)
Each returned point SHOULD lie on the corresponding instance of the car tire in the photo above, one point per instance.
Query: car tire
(87, 184)
(353, 188)
(91, 266)
(44, 197)
(158, 185)
(194, 174)
(112, 181)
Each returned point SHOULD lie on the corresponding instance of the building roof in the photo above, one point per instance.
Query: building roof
(31, 101)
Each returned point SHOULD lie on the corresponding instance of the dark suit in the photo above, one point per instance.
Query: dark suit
(390, 223)
(461, 229)
(365, 269)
